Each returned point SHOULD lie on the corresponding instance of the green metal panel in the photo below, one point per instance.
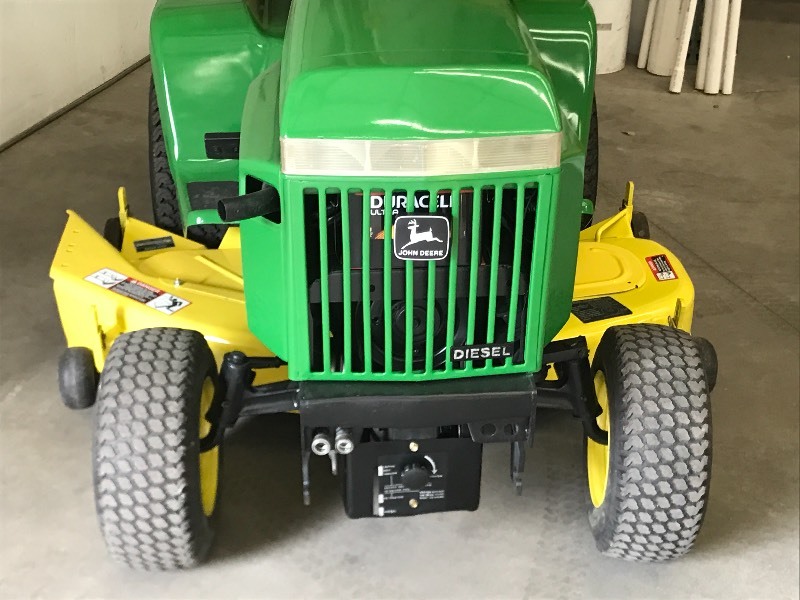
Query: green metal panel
(204, 54)
(411, 70)
(259, 146)
(562, 247)
(295, 309)
(381, 69)
(264, 251)
(565, 35)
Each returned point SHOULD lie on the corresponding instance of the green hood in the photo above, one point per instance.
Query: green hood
(412, 69)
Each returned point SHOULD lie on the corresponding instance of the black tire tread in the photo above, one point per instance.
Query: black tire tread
(591, 173)
(660, 463)
(146, 473)
(166, 213)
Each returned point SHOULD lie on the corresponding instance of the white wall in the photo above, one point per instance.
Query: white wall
(54, 51)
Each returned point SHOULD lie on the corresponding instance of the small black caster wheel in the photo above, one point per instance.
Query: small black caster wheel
(640, 225)
(77, 378)
(112, 232)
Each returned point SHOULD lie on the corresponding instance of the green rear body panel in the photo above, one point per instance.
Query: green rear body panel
(381, 70)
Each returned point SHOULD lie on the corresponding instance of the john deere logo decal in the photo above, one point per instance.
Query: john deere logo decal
(421, 237)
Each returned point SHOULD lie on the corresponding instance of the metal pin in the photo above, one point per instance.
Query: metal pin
(334, 465)
(413, 446)
(413, 503)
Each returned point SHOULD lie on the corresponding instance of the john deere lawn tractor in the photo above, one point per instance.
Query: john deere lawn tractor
(377, 215)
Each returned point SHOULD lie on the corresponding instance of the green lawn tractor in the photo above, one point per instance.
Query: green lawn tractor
(378, 215)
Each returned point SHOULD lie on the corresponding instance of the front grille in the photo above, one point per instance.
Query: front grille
(373, 315)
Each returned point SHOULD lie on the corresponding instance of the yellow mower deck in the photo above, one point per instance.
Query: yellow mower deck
(158, 279)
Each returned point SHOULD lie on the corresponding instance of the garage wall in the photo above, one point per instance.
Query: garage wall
(52, 52)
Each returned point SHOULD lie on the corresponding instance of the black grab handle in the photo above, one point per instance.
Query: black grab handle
(256, 204)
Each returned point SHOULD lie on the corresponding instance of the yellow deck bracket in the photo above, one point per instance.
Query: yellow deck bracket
(628, 201)
(237, 279)
(122, 199)
(620, 224)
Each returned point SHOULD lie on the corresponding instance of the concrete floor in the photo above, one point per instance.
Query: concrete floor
(718, 177)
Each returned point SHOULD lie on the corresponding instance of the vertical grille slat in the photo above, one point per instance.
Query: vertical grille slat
(433, 202)
(534, 284)
(388, 234)
(347, 300)
(324, 280)
(491, 313)
(455, 224)
(366, 297)
(516, 266)
(409, 299)
(474, 261)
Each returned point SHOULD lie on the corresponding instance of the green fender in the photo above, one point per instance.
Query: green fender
(204, 54)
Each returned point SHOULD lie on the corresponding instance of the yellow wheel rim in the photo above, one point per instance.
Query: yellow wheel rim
(209, 461)
(597, 454)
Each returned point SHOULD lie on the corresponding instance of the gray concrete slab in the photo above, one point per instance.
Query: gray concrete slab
(718, 178)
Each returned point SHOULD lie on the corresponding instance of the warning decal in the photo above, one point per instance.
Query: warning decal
(137, 290)
(661, 268)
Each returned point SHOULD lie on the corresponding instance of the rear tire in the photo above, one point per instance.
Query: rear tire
(155, 493)
(651, 504)
(591, 173)
(166, 210)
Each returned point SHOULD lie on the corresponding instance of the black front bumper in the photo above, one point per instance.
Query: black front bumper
(473, 401)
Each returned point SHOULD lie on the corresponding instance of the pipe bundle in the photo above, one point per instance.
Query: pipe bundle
(718, 42)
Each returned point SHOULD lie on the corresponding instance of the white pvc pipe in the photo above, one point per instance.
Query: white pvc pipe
(730, 46)
(716, 48)
(647, 35)
(705, 37)
(613, 22)
(676, 83)
(664, 44)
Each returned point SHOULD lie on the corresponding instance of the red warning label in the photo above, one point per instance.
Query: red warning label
(661, 268)
(137, 290)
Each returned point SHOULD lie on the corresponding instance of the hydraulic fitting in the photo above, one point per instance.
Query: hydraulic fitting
(343, 443)
(321, 444)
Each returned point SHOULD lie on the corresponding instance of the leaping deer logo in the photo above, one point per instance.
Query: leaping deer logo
(424, 236)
